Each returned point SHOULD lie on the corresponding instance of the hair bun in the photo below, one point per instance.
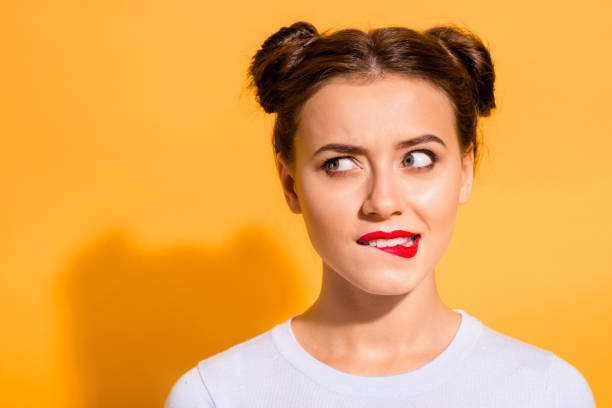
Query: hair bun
(298, 33)
(276, 59)
(468, 50)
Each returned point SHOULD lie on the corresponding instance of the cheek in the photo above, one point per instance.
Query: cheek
(330, 209)
(436, 203)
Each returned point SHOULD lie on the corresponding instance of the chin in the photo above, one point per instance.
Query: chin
(387, 283)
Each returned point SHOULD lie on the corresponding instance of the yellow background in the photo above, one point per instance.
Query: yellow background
(144, 228)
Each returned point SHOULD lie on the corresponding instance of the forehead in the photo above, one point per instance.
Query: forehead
(385, 109)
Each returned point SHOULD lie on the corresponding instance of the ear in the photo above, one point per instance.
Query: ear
(467, 176)
(287, 180)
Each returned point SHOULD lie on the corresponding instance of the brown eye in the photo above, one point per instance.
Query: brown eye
(333, 164)
(408, 160)
(418, 159)
(338, 164)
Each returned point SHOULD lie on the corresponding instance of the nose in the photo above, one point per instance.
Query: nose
(385, 195)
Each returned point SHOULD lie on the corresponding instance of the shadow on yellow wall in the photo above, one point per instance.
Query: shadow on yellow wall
(140, 318)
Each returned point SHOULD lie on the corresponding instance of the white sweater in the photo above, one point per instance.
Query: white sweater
(479, 368)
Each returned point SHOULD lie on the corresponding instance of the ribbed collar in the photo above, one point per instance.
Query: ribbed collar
(433, 374)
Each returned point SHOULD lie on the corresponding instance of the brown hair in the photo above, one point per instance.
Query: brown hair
(293, 63)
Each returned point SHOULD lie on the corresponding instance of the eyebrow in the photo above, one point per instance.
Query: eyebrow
(345, 148)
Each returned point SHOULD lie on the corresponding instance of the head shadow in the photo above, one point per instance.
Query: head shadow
(141, 317)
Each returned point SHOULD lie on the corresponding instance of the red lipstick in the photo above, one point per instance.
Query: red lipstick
(399, 250)
(386, 235)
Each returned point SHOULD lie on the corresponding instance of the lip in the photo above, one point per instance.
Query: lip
(399, 250)
(386, 235)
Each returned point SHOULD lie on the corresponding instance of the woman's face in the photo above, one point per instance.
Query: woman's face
(380, 181)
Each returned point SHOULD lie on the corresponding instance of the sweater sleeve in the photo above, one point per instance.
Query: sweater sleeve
(189, 391)
(568, 386)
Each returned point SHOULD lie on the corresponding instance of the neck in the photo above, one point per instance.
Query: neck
(345, 320)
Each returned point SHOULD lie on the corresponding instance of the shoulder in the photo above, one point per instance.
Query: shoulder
(189, 391)
(533, 366)
(568, 386)
(241, 359)
(504, 350)
(222, 374)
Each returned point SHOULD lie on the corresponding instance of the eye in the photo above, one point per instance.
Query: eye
(337, 164)
(419, 158)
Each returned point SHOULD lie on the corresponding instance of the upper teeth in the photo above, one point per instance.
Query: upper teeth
(382, 243)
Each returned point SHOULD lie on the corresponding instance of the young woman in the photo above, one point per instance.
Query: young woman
(376, 144)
